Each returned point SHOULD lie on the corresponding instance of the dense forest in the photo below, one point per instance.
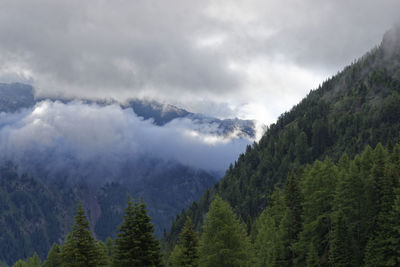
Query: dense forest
(326, 214)
(359, 106)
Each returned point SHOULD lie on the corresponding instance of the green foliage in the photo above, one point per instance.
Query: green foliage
(33, 261)
(80, 248)
(186, 253)
(224, 241)
(340, 225)
(54, 257)
(135, 243)
(30, 215)
(341, 254)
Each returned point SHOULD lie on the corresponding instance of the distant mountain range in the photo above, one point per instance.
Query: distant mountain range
(37, 197)
(15, 96)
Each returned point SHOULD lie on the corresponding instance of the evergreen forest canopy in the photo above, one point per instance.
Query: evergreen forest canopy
(321, 187)
(327, 214)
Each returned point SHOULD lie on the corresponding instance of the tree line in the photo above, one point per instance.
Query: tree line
(327, 214)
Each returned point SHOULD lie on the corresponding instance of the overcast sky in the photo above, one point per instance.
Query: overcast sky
(250, 58)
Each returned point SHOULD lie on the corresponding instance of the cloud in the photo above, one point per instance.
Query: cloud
(188, 51)
(82, 140)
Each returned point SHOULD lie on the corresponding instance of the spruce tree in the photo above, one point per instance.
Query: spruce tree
(265, 249)
(33, 261)
(125, 243)
(135, 243)
(80, 248)
(224, 241)
(185, 253)
(53, 257)
(318, 186)
(341, 254)
(19, 263)
(293, 200)
(350, 201)
(102, 254)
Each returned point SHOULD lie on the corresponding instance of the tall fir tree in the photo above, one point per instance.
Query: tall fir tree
(135, 243)
(341, 254)
(80, 248)
(318, 189)
(224, 241)
(54, 257)
(33, 261)
(186, 251)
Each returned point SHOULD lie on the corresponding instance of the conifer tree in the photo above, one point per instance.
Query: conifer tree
(33, 261)
(54, 257)
(341, 254)
(125, 243)
(185, 253)
(318, 189)
(224, 241)
(135, 243)
(102, 254)
(350, 201)
(265, 250)
(80, 248)
(20, 263)
(293, 200)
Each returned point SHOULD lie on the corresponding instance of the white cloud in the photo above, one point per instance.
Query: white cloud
(182, 51)
(61, 136)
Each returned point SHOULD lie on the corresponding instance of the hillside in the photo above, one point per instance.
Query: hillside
(36, 212)
(357, 107)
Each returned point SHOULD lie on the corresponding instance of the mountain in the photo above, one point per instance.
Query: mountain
(16, 96)
(357, 107)
(36, 212)
(161, 114)
(41, 185)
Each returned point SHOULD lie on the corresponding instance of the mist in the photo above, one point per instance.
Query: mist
(89, 141)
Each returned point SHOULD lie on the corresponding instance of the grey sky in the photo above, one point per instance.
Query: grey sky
(250, 58)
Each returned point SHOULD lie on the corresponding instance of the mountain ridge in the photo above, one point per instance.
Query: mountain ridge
(357, 107)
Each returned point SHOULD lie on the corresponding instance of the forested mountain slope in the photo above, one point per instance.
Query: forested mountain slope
(357, 107)
(35, 213)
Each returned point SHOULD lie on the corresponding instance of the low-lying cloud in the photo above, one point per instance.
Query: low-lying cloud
(89, 140)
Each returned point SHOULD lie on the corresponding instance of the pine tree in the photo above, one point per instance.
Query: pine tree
(110, 248)
(265, 249)
(224, 241)
(135, 243)
(125, 253)
(102, 254)
(318, 186)
(80, 248)
(341, 254)
(293, 200)
(383, 248)
(33, 261)
(350, 201)
(53, 257)
(20, 263)
(185, 253)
